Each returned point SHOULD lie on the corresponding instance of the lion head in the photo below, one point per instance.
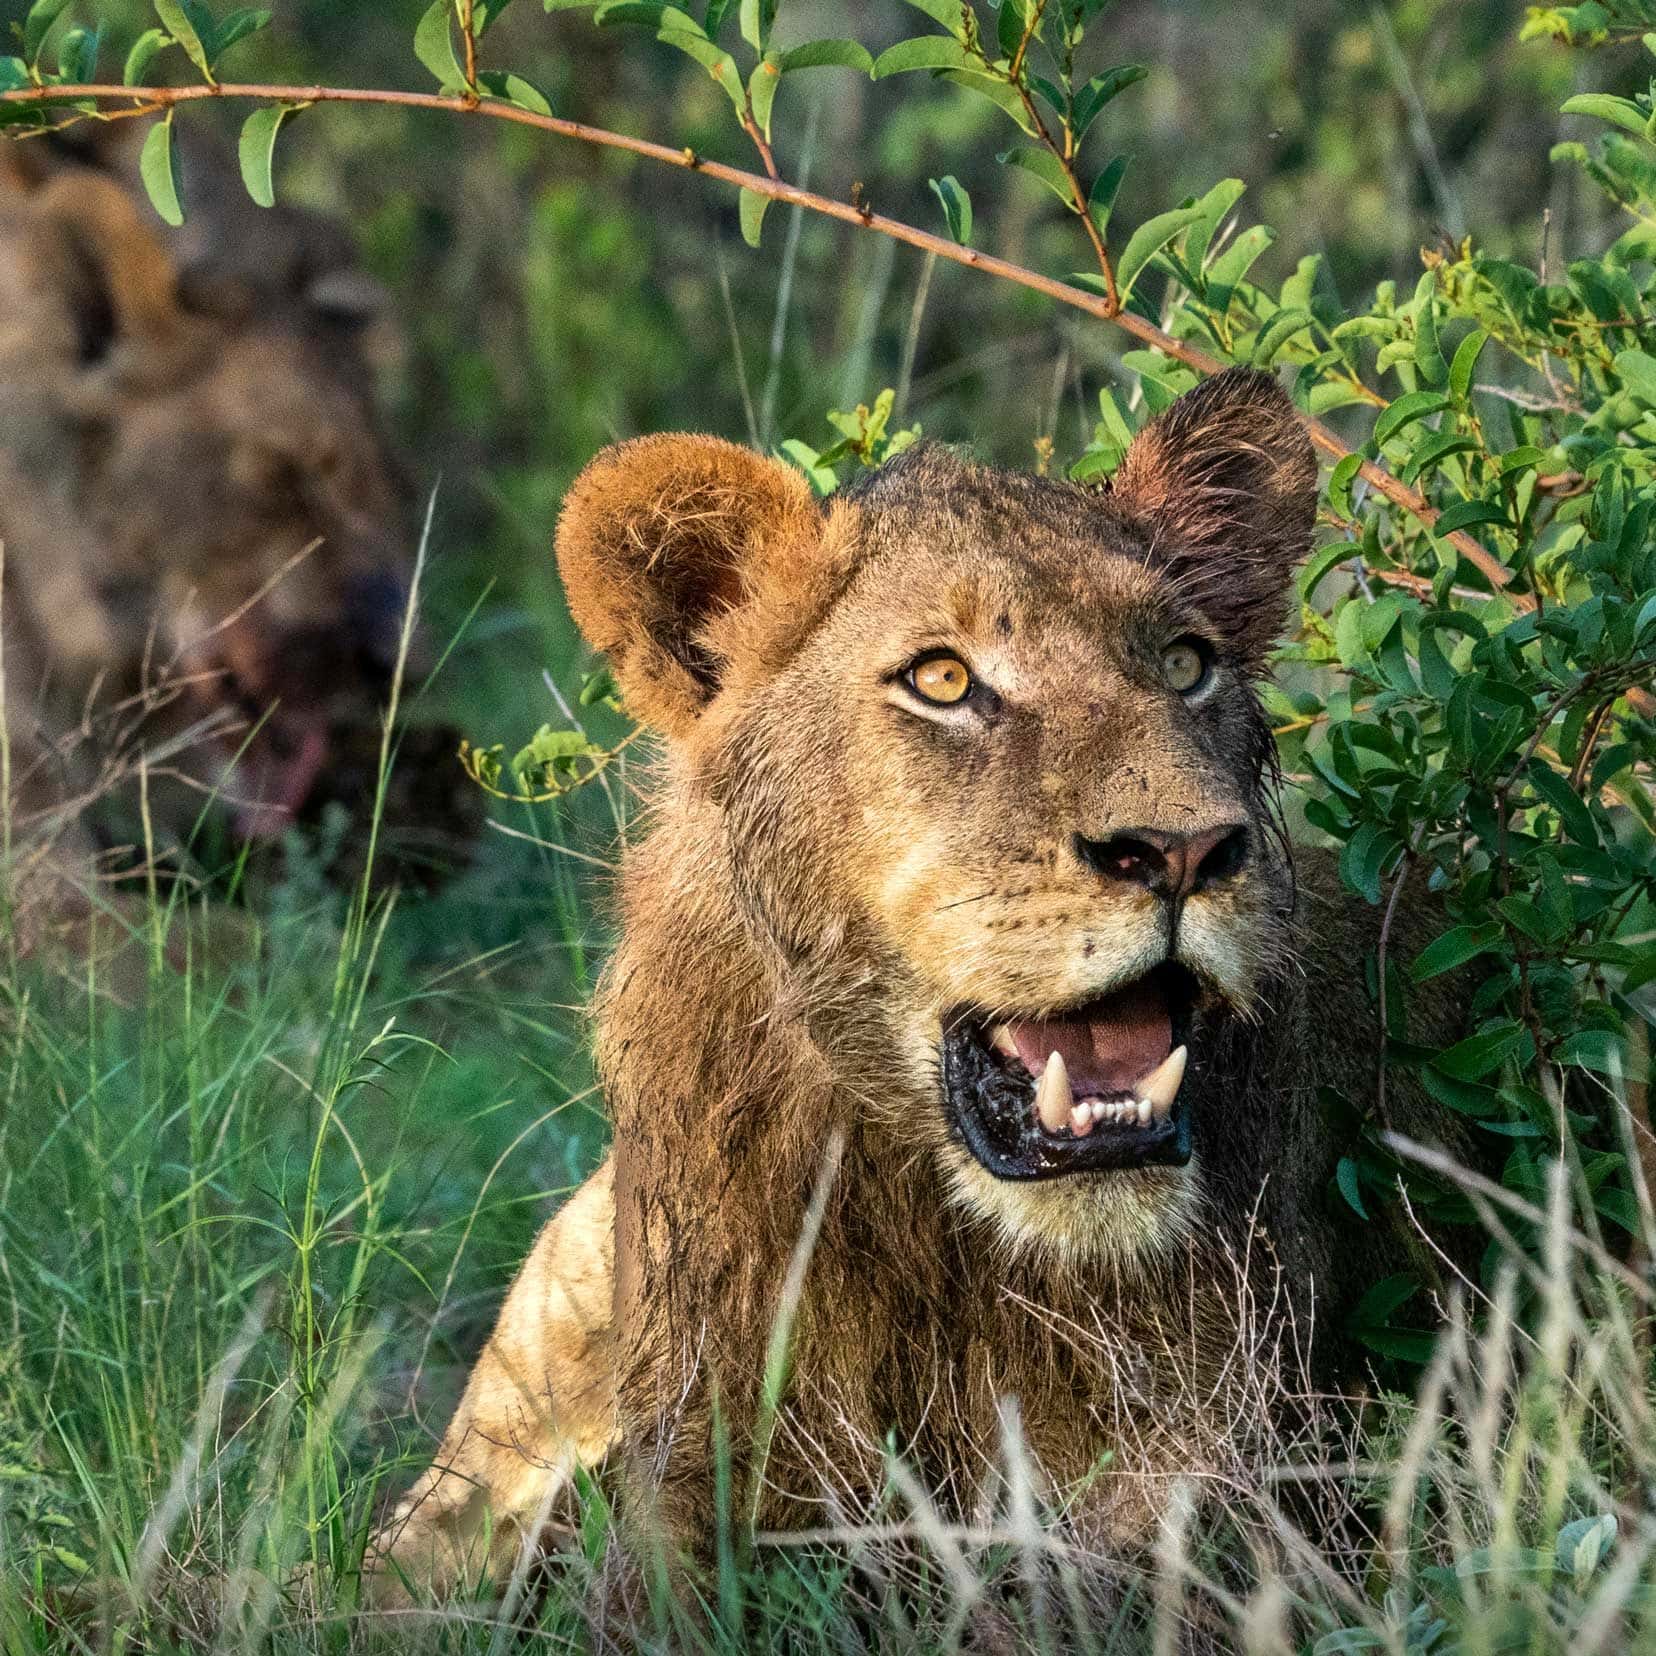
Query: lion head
(979, 757)
(201, 517)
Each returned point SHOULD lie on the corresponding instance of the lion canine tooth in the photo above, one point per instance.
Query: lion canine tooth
(1161, 1086)
(1052, 1095)
(1000, 1038)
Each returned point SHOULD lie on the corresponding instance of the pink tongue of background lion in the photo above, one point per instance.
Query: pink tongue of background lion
(269, 788)
(1121, 1040)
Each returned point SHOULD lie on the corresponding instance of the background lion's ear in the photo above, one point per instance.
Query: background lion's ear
(1227, 481)
(110, 269)
(661, 539)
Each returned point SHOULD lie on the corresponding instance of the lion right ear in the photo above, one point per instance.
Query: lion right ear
(669, 547)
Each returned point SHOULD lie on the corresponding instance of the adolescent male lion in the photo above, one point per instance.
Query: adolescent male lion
(961, 904)
(207, 545)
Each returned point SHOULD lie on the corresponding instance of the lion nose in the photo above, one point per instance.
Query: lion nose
(1172, 865)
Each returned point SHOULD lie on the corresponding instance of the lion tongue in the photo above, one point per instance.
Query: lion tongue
(1107, 1049)
(269, 787)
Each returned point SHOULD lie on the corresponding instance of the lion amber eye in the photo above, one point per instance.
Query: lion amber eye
(1183, 666)
(942, 679)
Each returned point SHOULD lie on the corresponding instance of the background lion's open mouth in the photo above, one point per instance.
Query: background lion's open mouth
(1091, 1089)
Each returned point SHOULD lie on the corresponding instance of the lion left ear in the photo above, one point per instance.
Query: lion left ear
(670, 547)
(1226, 480)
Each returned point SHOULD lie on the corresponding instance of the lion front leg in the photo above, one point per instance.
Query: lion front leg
(539, 1406)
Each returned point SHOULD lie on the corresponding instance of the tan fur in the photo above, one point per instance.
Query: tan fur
(539, 1405)
(183, 419)
(832, 872)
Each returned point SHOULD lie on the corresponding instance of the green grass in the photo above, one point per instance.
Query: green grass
(254, 1227)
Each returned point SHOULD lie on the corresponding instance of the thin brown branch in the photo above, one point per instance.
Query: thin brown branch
(468, 35)
(158, 99)
(1063, 155)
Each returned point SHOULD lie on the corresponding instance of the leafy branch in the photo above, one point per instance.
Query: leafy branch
(162, 101)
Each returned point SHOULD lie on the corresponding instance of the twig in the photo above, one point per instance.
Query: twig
(158, 99)
(1061, 153)
(469, 36)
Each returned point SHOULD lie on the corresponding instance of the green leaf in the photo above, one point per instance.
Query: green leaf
(674, 27)
(1428, 356)
(1276, 333)
(756, 18)
(1227, 268)
(14, 74)
(552, 756)
(993, 87)
(37, 24)
(923, 52)
(238, 25)
(826, 54)
(142, 55)
(176, 22)
(1571, 809)
(946, 12)
(1465, 514)
(1622, 111)
(1044, 165)
(752, 209)
(1340, 481)
(434, 45)
(1387, 1297)
(1454, 948)
(1101, 197)
(1638, 374)
(1595, 1049)
(1092, 98)
(1477, 1055)
(1466, 360)
(78, 55)
(761, 90)
(158, 167)
(1415, 405)
(1584, 1545)
(1367, 854)
(1346, 1177)
(1211, 212)
(257, 151)
(957, 207)
(1009, 26)
(1148, 240)
(514, 89)
(600, 686)
(1320, 563)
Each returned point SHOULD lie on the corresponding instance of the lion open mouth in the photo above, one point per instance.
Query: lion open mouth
(1088, 1090)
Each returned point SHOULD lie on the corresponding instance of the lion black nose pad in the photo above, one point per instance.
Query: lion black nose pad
(1172, 865)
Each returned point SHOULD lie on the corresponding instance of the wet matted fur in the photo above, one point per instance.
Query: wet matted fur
(846, 892)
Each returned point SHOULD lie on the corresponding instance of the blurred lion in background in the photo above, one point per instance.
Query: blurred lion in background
(208, 542)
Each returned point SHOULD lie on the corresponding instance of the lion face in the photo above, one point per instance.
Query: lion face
(207, 524)
(254, 527)
(990, 774)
